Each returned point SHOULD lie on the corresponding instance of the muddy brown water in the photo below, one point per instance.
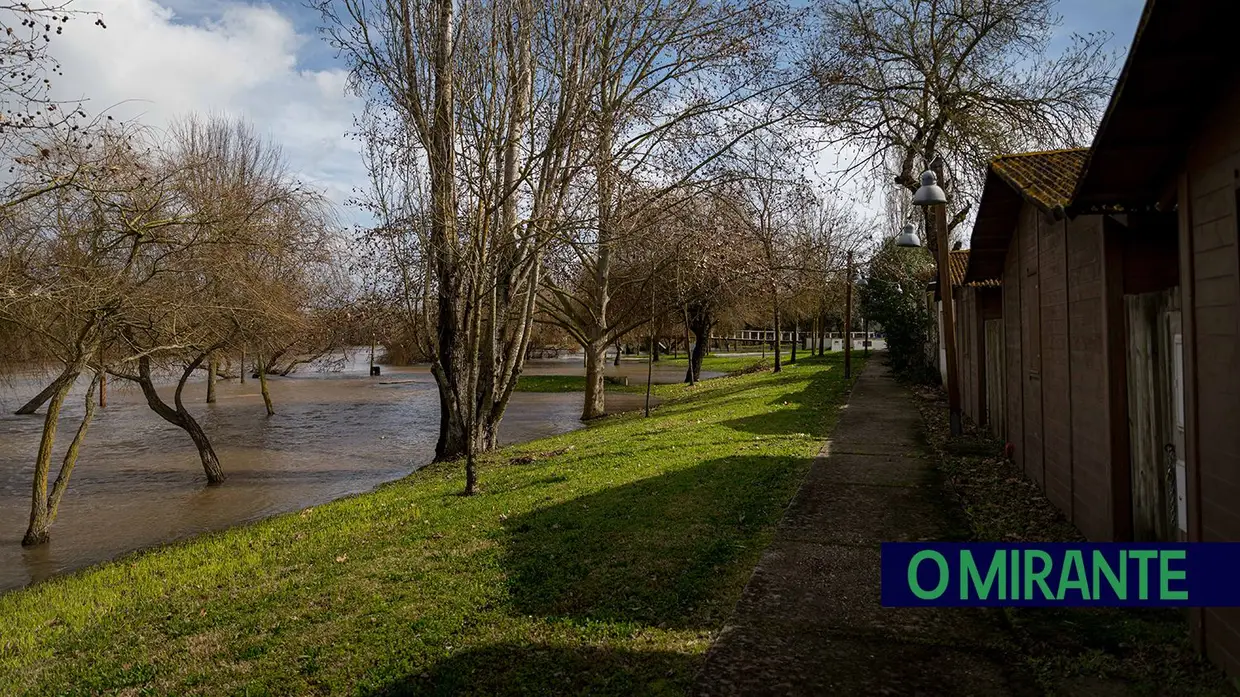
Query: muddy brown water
(138, 482)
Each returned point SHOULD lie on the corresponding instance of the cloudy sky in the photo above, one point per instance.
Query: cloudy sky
(158, 59)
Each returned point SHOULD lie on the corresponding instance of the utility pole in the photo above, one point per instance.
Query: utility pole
(650, 358)
(943, 253)
(848, 321)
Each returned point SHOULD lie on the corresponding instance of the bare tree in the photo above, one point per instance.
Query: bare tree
(900, 82)
(471, 132)
(74, 263)
(674, 88)
(28, 113)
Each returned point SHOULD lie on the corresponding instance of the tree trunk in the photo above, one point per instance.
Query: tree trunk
(701, 322)
(451, 366)
(179, 416)
(452, 433)
(595, 405)
(69, 374)
(262, 382)
(210, 462)
(617, 362)
(211, 380)
(471, 473)
(40, 519)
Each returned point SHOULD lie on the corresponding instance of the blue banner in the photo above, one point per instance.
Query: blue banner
(945, 574)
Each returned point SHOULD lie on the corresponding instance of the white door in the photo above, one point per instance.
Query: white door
(1177, 445)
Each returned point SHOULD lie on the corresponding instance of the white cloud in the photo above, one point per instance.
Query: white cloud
(242, 60)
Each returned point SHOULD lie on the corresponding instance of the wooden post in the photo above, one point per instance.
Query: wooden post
(211, 379)
(848, 321)
(796, 339)
(865, 327)
(945, 292)
(650, 356)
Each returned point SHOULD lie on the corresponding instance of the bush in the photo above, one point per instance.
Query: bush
(894, 295)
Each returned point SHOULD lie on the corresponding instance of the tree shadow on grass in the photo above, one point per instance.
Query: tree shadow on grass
(534, 669)
(804, 411)
(671, 551)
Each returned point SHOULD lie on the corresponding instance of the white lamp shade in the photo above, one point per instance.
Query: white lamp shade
(930, 193)
(908, 237)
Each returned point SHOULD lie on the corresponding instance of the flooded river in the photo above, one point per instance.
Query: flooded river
(138, 482)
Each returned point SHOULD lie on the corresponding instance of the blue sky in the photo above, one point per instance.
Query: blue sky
(1119, 17)
(267, 62)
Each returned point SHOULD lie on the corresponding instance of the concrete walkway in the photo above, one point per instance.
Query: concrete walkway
(810, 620)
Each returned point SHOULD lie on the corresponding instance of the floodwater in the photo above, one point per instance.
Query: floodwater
(138, 481)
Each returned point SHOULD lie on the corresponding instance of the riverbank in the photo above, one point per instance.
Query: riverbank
(601, 560)
(139, 483)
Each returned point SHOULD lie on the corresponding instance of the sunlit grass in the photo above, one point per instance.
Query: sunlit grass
(577, 383)
(601, 561)
(568, 383)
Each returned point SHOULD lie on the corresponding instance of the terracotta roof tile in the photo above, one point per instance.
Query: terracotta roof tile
(958, 264)
(1046, 179)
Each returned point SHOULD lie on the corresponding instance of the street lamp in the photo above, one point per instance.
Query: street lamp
(931, 196)
(908, 237)
(930, 193)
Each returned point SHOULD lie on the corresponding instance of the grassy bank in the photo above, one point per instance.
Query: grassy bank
(1103, 651)
(567, 383)
(725, 363)
(600, 561)
(577, 383)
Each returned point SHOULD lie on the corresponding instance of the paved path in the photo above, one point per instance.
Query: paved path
(810, 621)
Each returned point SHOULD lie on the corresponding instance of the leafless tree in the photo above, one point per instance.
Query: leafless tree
(74, 263)
(471, 138)
(676, 83)
(899, 82)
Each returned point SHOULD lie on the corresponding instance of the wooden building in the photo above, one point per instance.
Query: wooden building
(1171, 138)
(1062, 333)
(1120, 269)
(978, 318)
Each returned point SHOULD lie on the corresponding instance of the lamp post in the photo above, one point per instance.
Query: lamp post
(848, 321)
(930, 196)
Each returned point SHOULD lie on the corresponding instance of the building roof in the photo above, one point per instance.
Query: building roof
(958, 266)
(1044, 179)
(1180, 64)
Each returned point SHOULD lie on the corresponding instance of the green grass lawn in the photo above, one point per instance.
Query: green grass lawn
(724, 363)
(577, 383)
(601, 561)
(569, 383)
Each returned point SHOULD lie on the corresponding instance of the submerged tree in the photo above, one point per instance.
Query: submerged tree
(73, 266)
(151, 258)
